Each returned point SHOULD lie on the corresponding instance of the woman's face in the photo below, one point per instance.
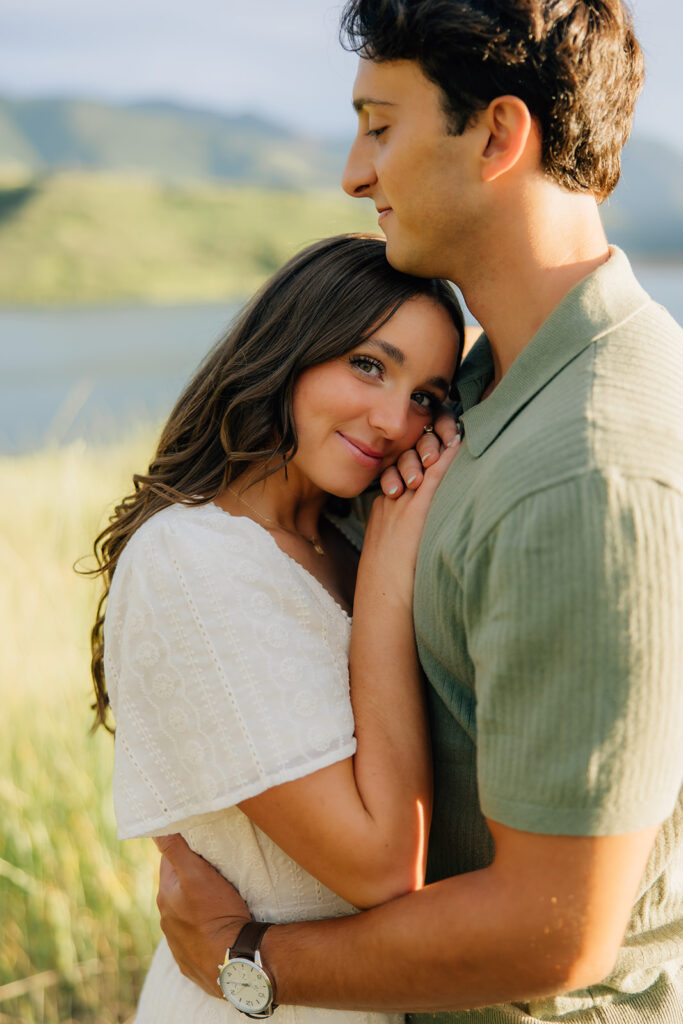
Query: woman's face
(354, 415)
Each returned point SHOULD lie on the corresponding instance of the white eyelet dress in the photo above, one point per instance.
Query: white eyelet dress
(227, 668)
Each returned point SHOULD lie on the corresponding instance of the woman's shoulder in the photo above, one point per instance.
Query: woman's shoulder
(202, 557)
(183, 550)
(180, 528)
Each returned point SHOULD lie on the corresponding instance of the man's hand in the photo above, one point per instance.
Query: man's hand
(408, 471)
(201, 913)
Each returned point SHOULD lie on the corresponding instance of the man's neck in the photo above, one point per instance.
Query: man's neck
(531, 262)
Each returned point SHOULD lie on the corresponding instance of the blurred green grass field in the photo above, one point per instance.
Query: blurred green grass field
(78, 920)
(77, 908)
(80, 238)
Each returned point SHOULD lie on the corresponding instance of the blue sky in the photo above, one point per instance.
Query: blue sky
(280, 58)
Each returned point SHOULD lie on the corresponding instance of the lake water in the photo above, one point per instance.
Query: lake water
(96, 373)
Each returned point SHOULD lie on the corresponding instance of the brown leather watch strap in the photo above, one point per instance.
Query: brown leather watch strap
(249, 939)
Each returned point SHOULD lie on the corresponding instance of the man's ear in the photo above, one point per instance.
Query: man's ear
(511, 130)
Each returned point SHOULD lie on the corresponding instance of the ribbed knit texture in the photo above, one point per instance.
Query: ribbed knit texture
(549, 616)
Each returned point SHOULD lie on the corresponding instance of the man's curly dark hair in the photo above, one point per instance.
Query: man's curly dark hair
(575, 63)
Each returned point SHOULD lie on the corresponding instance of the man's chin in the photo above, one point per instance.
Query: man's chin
(407, 260)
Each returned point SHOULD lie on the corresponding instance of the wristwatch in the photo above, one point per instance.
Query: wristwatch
(243, 979)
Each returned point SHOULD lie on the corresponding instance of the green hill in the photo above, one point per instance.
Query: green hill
(175, 143)
(83, 238)
(163, 139)
(170, 143)
(156, 202)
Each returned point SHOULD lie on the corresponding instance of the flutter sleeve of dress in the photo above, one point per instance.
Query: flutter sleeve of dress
(227, 668)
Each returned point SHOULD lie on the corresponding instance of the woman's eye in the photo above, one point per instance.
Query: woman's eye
(425, 400)
(371, 367)
(375, 133)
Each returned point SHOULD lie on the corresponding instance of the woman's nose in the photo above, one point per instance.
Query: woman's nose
(358, 175)
(390, 416)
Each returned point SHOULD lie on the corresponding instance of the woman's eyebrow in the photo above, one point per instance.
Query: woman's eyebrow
(439, 382)
(397, 356)
(389, 350)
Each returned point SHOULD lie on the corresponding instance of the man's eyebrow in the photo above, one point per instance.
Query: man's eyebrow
(367, 101)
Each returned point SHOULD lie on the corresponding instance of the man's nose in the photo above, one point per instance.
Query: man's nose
(358, 175)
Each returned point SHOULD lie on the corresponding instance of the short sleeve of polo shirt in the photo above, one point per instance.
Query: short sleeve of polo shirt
(574, 602)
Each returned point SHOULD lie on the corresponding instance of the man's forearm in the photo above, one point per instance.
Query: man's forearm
(456, 944)
(547, 916)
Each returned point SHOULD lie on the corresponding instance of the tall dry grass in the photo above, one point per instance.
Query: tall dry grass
(77, 913)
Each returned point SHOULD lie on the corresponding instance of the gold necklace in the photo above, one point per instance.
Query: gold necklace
(271, 524)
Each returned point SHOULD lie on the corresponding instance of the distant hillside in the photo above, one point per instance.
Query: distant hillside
(79, 237)
(153, 202)
(163, 139)
(175, 143)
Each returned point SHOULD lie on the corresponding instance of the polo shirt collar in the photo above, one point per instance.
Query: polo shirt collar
(603, 300)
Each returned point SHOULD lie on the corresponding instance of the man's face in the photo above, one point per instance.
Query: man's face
(422, 180)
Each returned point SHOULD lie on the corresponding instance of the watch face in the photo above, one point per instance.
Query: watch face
(245, 985)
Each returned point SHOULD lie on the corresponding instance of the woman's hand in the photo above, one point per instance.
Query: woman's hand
(392, 765)
(394, 530)
(408, 472)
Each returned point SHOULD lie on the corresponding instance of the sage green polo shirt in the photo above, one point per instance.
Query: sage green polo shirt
(549, 618)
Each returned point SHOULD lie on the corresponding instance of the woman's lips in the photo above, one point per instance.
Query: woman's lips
(383, 214)
(362, 453)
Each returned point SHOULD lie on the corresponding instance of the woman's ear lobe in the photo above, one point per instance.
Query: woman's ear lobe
(511, 130)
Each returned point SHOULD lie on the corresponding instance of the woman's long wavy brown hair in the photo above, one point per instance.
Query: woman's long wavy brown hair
(237, 409)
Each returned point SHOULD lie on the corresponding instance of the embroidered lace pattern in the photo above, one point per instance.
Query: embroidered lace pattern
(227, 667)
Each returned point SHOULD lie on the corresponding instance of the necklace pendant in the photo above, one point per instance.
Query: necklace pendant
(317, 546)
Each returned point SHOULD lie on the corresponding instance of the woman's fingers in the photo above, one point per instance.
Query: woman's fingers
(443, 435)
(410, 468)
(391, 483)
(428, 449)
(446, 426)
(435, 473)
(431, 478)
(409, 472)
(406, 474)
